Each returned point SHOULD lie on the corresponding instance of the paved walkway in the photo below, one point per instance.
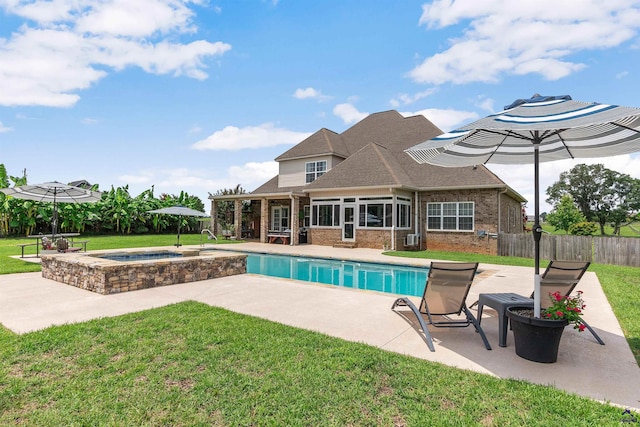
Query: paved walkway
(606, 373)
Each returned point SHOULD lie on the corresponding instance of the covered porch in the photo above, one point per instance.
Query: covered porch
(279, 218)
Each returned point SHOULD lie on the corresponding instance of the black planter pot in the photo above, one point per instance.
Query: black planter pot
(535, 339)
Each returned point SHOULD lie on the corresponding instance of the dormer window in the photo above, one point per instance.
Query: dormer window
(314, 170)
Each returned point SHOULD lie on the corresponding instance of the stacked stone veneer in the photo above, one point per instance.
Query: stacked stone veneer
(109, 277)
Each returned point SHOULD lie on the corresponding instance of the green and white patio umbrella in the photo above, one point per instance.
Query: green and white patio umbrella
(534, 130)
(54, 192)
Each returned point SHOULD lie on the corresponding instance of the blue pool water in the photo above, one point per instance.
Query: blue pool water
(140, 256)
(388, 278)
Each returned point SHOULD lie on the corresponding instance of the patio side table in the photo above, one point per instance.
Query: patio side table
(500, 303)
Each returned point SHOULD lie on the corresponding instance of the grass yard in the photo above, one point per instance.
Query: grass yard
(191, 364)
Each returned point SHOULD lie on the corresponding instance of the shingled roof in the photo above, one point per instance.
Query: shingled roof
(322, 142)
(373, 152)
(372, 165)
(377, 158)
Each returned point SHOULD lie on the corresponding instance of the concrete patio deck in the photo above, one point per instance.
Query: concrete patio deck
(607, 373)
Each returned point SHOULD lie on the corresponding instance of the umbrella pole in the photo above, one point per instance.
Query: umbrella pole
(179, 221)
(54, 221)
(537, 231)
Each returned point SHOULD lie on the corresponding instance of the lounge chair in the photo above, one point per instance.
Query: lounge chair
(445, 294)
(560, 276)
(563, 276)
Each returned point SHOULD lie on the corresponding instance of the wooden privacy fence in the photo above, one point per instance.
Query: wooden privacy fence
(600, 250)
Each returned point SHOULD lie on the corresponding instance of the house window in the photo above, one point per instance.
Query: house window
(326, 213)
(314, 170)
(403, 215)
(375, 213)
(307, 216)
(279, 218)
(450, 216)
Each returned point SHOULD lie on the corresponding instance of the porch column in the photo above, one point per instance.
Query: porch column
(295, 222)
(264, 219)
(214, 217)
(237, 217)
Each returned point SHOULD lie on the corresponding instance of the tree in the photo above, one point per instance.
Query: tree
(226, 207)
(602, 195)
(565, 214)
(4, 177)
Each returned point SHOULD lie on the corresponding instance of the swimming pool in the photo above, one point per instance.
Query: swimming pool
(390, 278)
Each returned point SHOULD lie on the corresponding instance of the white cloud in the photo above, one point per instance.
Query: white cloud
(200, 182)
(195, 129)
(89, 121)
(622, 75)
(253, 174)
(348, 113)
(232, 138)
(503, 37)
(3, 128)
(446, 120)
(140, 18)
(140, 178)
(310, 93)
(185, 178)
(406, 99)
(486, 104)
(71, 44)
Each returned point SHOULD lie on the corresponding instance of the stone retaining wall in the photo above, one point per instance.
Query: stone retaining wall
(110, 277)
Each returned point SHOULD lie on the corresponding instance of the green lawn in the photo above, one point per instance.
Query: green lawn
(192, 364)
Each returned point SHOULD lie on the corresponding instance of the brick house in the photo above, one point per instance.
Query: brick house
(360, 189)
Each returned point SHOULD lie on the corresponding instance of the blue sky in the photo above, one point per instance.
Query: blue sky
(202, 95)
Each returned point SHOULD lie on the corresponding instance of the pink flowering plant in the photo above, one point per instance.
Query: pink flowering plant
(566, 307)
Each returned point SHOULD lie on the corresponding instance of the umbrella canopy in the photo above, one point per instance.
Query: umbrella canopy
(54, 192)
(534, 130)
(180, 211)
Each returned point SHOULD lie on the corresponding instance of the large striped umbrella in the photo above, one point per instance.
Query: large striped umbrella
(539, 129)
(55, 192)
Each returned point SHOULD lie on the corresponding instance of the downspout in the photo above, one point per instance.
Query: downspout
(393, 220)
(500, 210)
(416, 219)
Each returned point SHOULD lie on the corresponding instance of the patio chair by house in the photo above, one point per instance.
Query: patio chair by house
(445, 294)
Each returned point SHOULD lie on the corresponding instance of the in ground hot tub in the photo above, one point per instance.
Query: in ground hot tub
(110, 272)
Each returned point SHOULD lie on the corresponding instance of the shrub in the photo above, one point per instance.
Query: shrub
(584, 228)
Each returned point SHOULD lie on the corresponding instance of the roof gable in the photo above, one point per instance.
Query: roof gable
(322, 142)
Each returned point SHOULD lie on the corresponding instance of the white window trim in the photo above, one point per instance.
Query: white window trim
(324, 202)
(315, 172)
(442, 216)
(278, 227)
(363, 201)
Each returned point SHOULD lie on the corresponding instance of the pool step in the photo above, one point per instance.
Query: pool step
(348, 245)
